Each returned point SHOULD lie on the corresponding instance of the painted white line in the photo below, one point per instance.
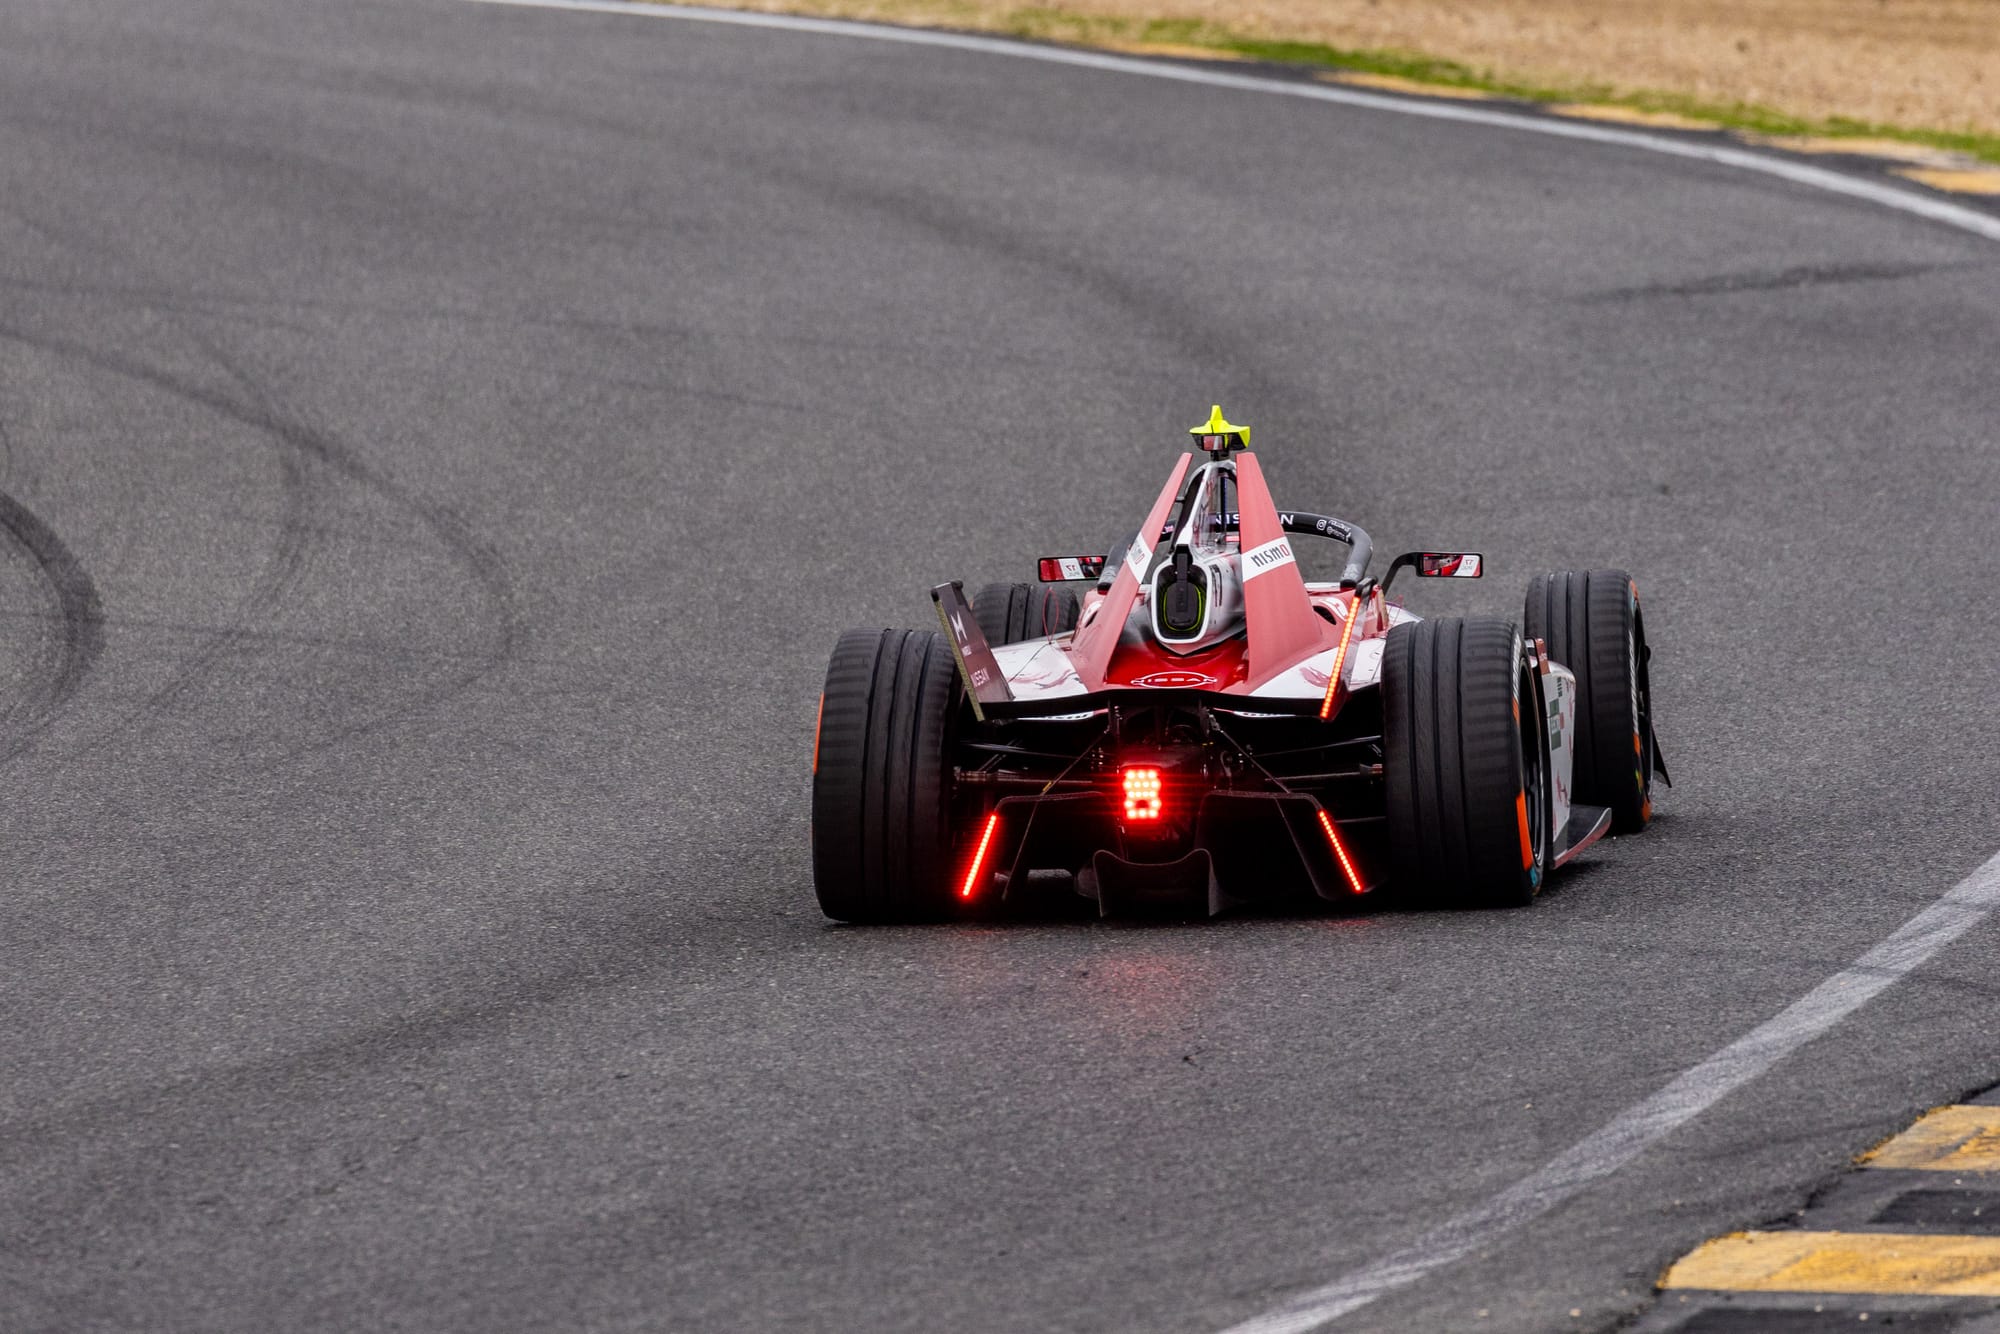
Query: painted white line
(1638, 1127)
(1799, 173)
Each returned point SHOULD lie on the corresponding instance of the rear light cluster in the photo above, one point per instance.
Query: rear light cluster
(1142, 794)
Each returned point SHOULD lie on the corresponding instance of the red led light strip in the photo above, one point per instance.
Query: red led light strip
(1340, 853)
(979, 857)
(1339, 659)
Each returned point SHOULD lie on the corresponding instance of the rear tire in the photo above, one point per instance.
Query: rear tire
(1465, 765)
(1590, 622)
(881, 813)
(1010, 613)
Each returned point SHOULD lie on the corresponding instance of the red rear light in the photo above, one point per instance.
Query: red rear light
(1142, 794)
(979, 856)
(1340, 853)
(1340, 658)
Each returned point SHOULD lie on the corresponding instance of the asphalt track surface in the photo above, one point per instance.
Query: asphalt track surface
(440, 445)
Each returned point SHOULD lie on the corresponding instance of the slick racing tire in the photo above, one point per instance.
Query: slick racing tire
(881, 810)
(1465, 765)
(1590, 622)
(1010, 613)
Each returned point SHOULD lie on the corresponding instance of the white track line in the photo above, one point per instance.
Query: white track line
(1640, 1126)
(1799, 173)
(1632, 1131)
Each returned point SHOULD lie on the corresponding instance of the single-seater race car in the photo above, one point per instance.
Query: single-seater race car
(1206, 729)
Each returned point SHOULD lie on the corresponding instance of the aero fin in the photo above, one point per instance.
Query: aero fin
(1586, 825)
(984, 681)
(1278, 616)
(1097, 638)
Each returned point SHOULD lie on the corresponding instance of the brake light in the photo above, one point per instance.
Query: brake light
(1340, 853)
(979, 856)
(1339, 659)
(1142, 794)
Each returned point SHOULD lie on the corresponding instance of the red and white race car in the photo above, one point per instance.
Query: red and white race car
(1207, 729)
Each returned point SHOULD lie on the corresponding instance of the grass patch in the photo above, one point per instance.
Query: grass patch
(1451, 74)
(1048, 24)
(1730, 115)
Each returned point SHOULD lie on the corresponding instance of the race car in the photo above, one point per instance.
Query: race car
(1207, 730)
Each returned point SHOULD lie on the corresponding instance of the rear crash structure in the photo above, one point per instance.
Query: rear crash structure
(1205, 730)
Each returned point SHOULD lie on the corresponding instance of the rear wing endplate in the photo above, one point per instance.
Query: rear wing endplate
(984, 682)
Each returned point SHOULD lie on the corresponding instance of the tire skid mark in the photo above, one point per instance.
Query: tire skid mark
(270, 312)
(302, 447)
(1803, 275)
(483, 563)
(299, 445)
(288, 557)
(60, 1153)
(73, 649)
(6, 441)
(466, 549)
(200, 630)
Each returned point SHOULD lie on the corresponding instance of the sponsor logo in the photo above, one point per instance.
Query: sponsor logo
(1264, 559)
(1173, 680)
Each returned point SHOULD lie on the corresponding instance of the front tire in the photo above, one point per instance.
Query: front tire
(881, 812)
(1465, 764)
(1590, 622)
